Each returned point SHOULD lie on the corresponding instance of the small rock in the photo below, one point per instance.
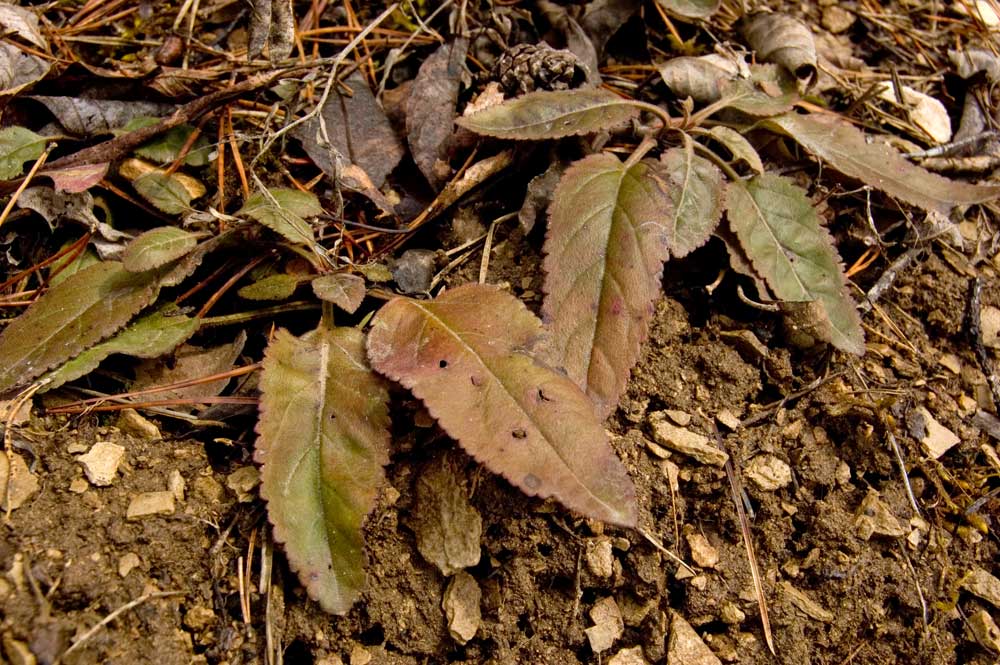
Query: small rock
(176, 484)
(360, 655)
(76, 447)
(630, 656)
(461, 607)
(242, 482)
(699, 582)
(608, 624)
(836, 19)
(731, 614)
(131, 422)
(768, 472)
(199, 617)
(127, 563)
(728, 420)
(414, 270)
(874, 517)
(685, 441)
(150, 503)
(672, 473)
(985, 630)
(934, 437)
(681, 418)
(100, 464)
(807, 605)
(78, 486)
(951, 362)
(702, 552)
(686, 647)
(982, 584)
(17, 483)
(599, 557)
(990, 320)
(208, 489)
(657, 450)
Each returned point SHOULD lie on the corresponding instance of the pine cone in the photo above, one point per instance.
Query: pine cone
(528, 67)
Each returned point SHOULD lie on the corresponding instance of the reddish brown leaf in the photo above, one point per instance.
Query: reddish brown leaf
(605, 247)
(465, 355)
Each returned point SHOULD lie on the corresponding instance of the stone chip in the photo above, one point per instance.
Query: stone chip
(100, 463)
(148, 504)
(686, 442)
(461, 607)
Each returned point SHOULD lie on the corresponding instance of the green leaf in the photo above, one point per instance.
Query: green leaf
(607, 239)
(787, 245)
(69, 265)
(463, 354)
(167, 146)
(691, 8)
(171, 193)
(696, 191)
(272, 287)
(17, 146)
(282, 211)
(323, 442)
(552, 114)
(148, 337)
(850, 151)
(72, 316)
(344, 290)
(158, 247)
(737, 144)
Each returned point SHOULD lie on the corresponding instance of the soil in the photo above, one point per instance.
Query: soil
(850, 571)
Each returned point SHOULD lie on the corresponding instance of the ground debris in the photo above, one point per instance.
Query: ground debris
(608, 624)
(985, 630)
(448, 527)
(686, 647)
(768, 472)
(875, 518)
(935, 438)
(686, 442)
(982, 584)
(17, 483)
(148, 504)
(100, 464)
(807, 605)
(461, 606)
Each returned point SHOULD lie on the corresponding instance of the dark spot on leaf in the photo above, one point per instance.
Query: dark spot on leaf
(443, 363)
(543, 397)
(476, 381)
(532, 482)
(519, 433)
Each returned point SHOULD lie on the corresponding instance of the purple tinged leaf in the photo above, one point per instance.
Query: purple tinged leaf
(849, 150)
(323, 442)
(788, 246)
(605, 247)
(465, 355)
(552, 114)
(696, 191)
(344, 290)
(430, 109)
(158, 247)
(77, 179)
(72, 316)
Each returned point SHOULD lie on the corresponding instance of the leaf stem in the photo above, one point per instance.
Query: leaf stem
(243, 317)
(669, 122)
(718, 161)
(647, 144)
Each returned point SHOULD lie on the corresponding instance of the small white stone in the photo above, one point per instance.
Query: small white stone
(461, 607)
(702, 551)
(131, 422)
(127, 563)
(242, 482)
(599, 557)
(150, 503)
(686, 442)
(608, 625)
(768, 472)
(938, 439)
(176, 484)
(100, 464)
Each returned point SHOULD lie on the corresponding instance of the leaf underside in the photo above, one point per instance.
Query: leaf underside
(323, 442)
(786, 243)
(691, 8)
(848, 150)
(463, 354)
(605, 246)
(344, 290)
(148, 337)
(552, 114)
(72, 316)
(696, 192)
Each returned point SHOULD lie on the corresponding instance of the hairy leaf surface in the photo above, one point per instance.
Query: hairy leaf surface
(696, 191)
(691, 8)
(464, 354)
(552, 114)
(344, 290)
(283, 211)
(848, 150)
(72, 316)
(784, 239)
(607, 239)
(148, 337)
(323, 442)
(158, 247)
(272, 287)
(735, 143)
